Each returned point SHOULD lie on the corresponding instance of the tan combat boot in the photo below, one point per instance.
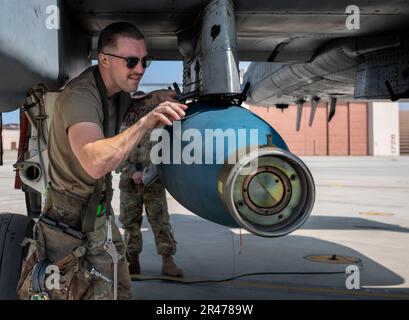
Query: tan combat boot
(134, 267)
(170, 268)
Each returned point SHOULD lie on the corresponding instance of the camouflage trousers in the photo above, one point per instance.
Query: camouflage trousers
(95, 256)
(98, 257)
(153, 197)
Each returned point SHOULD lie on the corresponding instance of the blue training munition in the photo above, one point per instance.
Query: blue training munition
(229, 166)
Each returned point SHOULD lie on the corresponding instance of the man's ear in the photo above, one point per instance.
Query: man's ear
(102, 60)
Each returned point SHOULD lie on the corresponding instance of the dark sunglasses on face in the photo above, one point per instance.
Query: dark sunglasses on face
(131, 62)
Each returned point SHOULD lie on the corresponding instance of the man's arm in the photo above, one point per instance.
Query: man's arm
(98, 155)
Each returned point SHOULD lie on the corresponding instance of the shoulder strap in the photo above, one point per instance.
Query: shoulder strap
(124, 105)
(90, 212)
(104, 99)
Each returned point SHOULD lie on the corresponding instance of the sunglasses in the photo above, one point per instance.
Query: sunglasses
(131, 62)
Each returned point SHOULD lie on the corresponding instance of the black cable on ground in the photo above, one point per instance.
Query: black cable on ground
(180, 280)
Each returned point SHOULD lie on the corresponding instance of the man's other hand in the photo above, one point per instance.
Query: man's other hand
(137, 177)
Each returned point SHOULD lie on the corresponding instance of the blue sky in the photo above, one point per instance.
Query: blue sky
(163, 72)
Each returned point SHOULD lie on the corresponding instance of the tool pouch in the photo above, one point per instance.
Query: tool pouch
(54, 269)
(34, 256)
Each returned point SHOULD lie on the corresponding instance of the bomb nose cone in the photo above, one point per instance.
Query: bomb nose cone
(272, 200)
(265, 190)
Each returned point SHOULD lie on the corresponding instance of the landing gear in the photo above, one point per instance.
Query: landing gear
(33, 202)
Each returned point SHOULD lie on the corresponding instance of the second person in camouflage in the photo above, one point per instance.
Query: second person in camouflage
(134, 194)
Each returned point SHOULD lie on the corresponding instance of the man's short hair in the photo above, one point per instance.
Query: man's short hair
(112, 32)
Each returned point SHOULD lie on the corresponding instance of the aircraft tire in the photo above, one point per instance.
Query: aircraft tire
(13, 229)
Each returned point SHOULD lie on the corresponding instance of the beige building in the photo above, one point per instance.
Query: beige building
(404, 131)
(357, 129)
(10, 136)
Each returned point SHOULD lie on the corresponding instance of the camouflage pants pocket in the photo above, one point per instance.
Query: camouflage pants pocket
(80, 284)
(71, 279)
(98, 258)
(74, 279)
(54, 268)
(24, 289)
(165, 242)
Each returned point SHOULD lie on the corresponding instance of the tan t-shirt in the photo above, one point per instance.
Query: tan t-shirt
(78, 102)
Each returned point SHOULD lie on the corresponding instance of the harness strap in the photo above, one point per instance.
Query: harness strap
(89, 215)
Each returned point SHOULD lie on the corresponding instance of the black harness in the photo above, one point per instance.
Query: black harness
(98, 197)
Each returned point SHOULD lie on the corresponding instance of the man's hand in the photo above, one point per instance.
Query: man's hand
(164, 114)
(137, 177)
(159, 96)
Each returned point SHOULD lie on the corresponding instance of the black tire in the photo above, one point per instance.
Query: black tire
(33, 202)
(13, 229)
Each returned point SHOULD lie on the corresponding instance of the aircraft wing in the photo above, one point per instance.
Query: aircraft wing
(284, 31)
(290, 31)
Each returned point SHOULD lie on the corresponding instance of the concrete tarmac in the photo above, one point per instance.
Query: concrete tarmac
(361, 211)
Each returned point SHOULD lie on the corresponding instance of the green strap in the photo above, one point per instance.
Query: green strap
(89, 214)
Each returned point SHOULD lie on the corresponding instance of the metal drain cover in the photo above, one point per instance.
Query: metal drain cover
(333, 258)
